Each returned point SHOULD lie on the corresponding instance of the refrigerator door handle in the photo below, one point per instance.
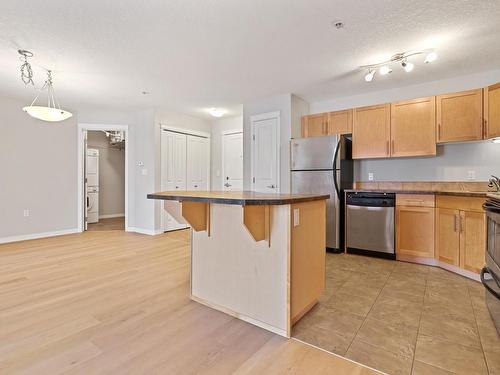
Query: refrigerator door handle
(486, 270)
(335, 182)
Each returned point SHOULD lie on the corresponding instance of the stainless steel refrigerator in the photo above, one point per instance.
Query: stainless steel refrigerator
(323, 165)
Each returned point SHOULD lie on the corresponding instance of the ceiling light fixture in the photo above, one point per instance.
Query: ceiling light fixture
(215, 112)
(369, 76)
(26, 71)
(407, 66)
(52, 112)
(385, 70)
(384, 67)
(431, 56)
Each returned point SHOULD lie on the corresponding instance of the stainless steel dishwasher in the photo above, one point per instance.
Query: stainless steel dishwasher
(370, 224)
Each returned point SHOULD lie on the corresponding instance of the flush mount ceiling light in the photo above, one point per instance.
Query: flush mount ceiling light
(384, 66)
(217, 112)
(52, 112)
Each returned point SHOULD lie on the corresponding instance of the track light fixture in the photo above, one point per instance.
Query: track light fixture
(384, 67)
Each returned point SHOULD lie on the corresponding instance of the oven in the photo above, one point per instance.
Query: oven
(490, 274)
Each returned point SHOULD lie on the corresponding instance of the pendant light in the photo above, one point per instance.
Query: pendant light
(52, 112)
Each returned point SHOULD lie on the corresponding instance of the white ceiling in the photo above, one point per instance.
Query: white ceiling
(193, 54)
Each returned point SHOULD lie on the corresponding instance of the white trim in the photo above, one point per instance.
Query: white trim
(185, 131)
(111, 216)
(34, 236)
(261, 117)
(86, 127)
(223, 134)
(243, 317)
(149, 232)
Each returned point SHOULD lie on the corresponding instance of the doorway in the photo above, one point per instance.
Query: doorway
(102, 177)
(232, 161)
(265, 164)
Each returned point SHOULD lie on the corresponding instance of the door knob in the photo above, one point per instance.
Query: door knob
(272, 186)
(227, 184)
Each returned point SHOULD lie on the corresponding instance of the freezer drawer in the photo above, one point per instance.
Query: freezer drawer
(321, 182)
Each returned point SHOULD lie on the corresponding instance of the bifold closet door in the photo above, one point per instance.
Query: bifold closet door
(198, 159)
(173, 170)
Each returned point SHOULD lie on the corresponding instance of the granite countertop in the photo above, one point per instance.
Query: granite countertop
(460, 193)
(242, 198)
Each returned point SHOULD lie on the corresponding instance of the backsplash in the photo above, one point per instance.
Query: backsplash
(424, 185)
(454, 162)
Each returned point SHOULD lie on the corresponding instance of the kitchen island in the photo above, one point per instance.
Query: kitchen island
(256, 256)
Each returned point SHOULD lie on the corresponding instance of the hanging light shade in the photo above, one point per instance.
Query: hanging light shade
(52, 112)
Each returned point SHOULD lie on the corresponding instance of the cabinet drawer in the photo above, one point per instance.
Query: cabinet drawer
(415, 200)
(460, 203)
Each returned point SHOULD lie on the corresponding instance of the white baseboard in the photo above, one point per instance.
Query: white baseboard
(34, 236)
(110, 216)
(149, 232)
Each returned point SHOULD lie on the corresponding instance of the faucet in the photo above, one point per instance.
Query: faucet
(494, 182)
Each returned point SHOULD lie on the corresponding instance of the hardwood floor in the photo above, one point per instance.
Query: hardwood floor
(111, 302)
(113, 223)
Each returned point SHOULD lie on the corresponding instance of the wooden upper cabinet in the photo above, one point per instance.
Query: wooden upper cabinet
(492, 111)
(472, 240)
(315, 125)
(448, 235)
(371, 132)
(413, 127)
(460, 116)
(340, 122)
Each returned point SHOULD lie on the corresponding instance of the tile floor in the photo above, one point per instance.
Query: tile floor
(402, 318)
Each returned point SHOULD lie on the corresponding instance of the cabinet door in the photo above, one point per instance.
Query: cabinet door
(315, 125)
(460, 116)
(492, 111)
(197, 163)
(472, 240)
(413, 127)
(415, 231)
(371, 131)
(340, 122)
(448, 235)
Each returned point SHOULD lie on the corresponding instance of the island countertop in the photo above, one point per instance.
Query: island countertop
(242, 198)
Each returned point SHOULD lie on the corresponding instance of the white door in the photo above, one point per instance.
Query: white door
(197, 164)
(265, 153)
(173, 174)
(232, 162)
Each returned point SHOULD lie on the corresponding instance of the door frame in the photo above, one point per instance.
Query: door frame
(82, 127)
(266, 116)
(223, 134)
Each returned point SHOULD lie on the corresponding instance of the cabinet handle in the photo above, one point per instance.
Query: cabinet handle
(456, 223)
(462, 229)
(439, 132)
(392, 145)
(485, 128)
(387, 147)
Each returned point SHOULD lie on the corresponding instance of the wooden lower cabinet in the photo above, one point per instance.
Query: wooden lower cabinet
(415, 231)
(448, 235)
(472, 240)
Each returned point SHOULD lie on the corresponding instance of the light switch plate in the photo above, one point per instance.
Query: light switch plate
(144, 171)
(370, 176)
(296, 220)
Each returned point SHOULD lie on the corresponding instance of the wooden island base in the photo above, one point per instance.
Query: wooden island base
(262, 263)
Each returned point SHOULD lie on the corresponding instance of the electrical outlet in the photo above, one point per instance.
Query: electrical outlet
(144, 171)
(296, 220)
(471, 175)
(370, 176)
(26, 212)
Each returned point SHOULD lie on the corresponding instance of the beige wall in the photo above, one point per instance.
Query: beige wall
(111, 175)
(37, 173)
